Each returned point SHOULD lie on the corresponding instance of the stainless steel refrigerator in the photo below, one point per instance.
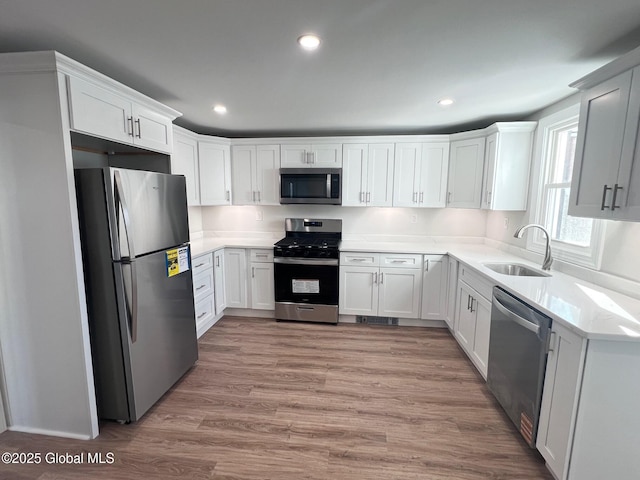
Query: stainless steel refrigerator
(137, 266)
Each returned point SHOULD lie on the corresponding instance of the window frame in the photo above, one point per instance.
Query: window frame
(589, 256)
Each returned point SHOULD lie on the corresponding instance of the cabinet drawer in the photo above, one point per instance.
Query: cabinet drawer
(477, 282)
(358, 258)
(202, 284)
(397, 260)
(205, 310)
(202, 263)
(265, 256)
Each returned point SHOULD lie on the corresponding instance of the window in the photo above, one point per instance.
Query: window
(573, 239)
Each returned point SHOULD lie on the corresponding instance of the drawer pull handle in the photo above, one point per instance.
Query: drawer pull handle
(201, 315)
(200, 287)
(398, 261)
(199, 265)
(358, 259)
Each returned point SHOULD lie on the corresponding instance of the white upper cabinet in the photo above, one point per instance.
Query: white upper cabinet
(214, 165)
(606, 172)
(367, 174)
(420, 174)
(507, 161)
(255, 174)
(322, 155)
(104, 112)
(466, 164)
(184, 161)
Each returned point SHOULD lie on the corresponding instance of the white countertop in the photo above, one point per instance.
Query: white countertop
(591, 311)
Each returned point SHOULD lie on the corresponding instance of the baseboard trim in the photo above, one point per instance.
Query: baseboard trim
(51, 433)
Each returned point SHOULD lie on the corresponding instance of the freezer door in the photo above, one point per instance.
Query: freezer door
(150, 211)
(165, 345)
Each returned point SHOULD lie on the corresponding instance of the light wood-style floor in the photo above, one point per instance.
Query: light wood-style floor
(277, 400)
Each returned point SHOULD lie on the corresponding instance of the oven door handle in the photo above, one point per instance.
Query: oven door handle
(306, 261)
(523, 322)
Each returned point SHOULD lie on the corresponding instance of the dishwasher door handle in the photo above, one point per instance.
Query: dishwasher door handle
(523, 322)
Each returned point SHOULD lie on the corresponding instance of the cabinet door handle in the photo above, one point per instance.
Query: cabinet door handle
(381, 278)
(368, 197)
(130, 124)
(421, 197)
(415, 197)
(468, 302)
(361, 197)
(253, 272)
(217, 261)
(139, 134)
(259, 196)
(375, 278)
(604, 197)
(472, 300)
(488, 198)
(448, 197)
(427, 266)
(227, 195)
(616, 187)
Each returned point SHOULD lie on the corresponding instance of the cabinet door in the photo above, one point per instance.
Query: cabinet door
(491, 150)
(466, 319)
(262, 286)
(603, 113)
(466, 164)
(354, 174)
(405, 174)
(99, 112)
(358, 291)
(215, 174)
(379, 175)
(560, 398)
(295, 156)
(452, 290)
(434, 167)
(218, 281)
(482, 309)
(235, 277)
(629, 174)
(242, 174)
(184, 161)
(152, 130)
(400, 290)
(326, 156)
(267, 174)
(434, 287)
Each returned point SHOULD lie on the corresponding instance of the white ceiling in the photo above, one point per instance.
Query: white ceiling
(381, 67)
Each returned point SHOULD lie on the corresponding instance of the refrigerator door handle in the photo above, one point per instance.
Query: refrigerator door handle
(133, 305)
(121, 203)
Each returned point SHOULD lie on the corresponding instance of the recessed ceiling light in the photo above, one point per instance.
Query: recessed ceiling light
(309, 41)
(445, 102)
(221, 109)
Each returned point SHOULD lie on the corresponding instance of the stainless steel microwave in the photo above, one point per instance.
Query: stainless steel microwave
(311, 186)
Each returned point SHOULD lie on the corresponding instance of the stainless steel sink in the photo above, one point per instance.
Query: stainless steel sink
(515, 269)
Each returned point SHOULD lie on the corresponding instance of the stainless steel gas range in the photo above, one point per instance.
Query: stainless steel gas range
(306, 270)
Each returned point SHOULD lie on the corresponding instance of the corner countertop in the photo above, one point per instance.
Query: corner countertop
(591, 311)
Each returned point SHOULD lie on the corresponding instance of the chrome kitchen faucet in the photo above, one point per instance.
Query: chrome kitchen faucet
(548, 260)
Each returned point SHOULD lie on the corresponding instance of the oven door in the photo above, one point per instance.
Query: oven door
(308, 281)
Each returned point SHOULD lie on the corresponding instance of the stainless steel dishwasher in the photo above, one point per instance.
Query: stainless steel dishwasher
(518, 349)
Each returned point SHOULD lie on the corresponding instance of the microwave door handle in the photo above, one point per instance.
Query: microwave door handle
(328, 185)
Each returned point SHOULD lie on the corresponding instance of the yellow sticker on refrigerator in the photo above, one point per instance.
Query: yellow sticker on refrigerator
(178, 261)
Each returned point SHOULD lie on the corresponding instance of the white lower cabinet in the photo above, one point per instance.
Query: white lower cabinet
(473, 317)
(452, 291)
(589, 424)
(434, 287)
(235, 277)
(203, 292)
(218, 281)
(386, 285)
(262, 284)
